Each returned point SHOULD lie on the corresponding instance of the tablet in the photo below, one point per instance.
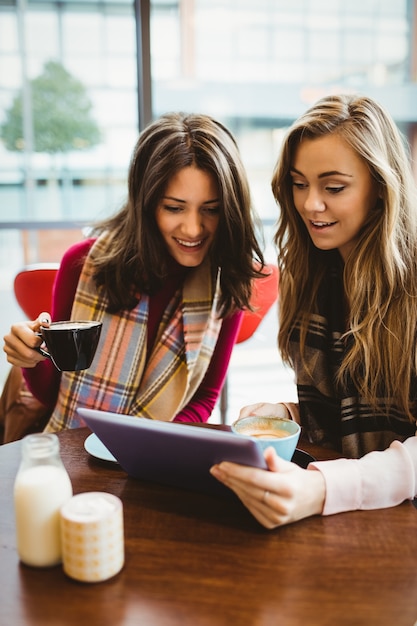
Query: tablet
(180, 455)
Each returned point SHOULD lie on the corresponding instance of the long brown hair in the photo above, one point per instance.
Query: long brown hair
(137, 258)
(380, 274)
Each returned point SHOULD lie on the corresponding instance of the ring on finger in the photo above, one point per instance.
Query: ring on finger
(265, 496)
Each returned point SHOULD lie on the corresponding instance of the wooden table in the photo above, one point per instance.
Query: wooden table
(197, 560)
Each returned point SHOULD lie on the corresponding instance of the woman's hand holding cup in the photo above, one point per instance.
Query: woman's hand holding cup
(71, 345)
(265, 408)
(22, 342)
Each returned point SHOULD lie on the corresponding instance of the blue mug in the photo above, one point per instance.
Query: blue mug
(280, 433)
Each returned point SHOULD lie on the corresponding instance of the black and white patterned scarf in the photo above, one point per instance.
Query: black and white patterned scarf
(330, 417)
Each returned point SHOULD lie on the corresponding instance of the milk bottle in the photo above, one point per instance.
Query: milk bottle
(41, 487)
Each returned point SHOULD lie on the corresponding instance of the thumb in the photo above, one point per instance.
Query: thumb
(274, 462)
(44, 318)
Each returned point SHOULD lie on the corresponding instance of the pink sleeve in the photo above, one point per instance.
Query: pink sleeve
(43, 380)
(202, 404)
(378, 480)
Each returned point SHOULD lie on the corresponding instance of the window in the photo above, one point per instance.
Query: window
(254, 65)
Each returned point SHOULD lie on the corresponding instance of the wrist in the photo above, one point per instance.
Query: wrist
(292, 411)
(317, 491)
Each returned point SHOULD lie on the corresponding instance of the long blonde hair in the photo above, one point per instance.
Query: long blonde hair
(380, 275)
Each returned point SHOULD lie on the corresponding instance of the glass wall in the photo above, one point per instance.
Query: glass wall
(68, 124)
(69, 92)
(68, 109)
(258, 65)
(69, 97)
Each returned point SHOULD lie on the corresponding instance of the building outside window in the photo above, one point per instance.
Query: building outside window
(253, 65)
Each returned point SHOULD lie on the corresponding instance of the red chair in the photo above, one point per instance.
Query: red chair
(33, 288)
(264, 294)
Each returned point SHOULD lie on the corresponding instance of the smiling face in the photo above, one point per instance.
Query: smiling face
(188, 215)
(333, 192)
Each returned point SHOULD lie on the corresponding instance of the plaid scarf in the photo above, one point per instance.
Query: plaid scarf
(340, 419)
(119, 379)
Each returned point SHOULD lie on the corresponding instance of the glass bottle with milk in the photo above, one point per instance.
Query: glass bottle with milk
(41, 487)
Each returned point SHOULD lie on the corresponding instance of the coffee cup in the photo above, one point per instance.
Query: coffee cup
(71, 345)
(280, 433)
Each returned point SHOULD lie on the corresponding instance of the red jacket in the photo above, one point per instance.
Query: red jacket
(43, 380)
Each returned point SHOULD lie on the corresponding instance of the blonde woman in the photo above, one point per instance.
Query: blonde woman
(347, 243)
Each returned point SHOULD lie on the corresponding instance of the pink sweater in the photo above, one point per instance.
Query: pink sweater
(376, 481)
(43, 380)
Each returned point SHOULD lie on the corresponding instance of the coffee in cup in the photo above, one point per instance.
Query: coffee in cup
(278, 432)
(71, 345)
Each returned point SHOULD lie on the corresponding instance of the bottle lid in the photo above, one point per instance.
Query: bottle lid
(40, 445)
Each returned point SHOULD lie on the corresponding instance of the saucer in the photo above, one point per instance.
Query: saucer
(302, 458)
(96, 448)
